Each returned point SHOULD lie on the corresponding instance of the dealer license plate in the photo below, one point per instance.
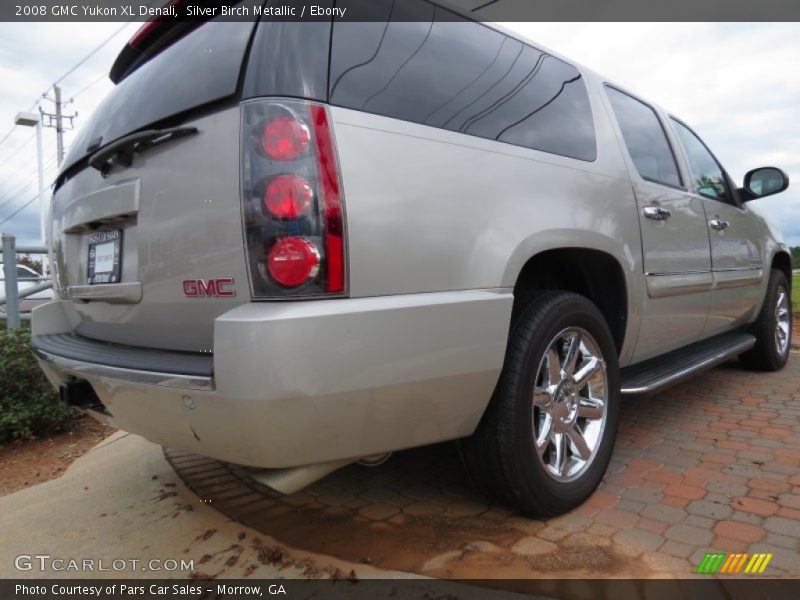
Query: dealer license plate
(105, 257)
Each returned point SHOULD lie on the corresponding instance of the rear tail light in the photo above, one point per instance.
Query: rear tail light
(285, 138)
(287, 197)
(292, 261)
(292, 201)
(331, 199)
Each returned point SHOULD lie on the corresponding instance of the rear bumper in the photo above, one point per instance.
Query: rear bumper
(298, 383)
(78, 355)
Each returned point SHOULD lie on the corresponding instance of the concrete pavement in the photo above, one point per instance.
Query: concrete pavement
(123, 502)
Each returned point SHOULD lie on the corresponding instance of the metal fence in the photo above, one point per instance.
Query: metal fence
(10, 301)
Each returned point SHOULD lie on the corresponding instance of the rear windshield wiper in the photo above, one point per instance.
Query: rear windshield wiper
(121, 152)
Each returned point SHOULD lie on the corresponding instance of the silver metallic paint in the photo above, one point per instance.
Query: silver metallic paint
(440, 225)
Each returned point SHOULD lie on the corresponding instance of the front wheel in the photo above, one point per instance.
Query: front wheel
(773, 328)
(546, 438)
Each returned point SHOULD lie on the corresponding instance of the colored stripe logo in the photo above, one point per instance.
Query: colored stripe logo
(739, 563)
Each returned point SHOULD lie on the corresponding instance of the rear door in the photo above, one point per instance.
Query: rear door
(675, 245)
(126, 240)
(736, 250)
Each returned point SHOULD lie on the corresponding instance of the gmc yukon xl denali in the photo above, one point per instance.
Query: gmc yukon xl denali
(297, 245)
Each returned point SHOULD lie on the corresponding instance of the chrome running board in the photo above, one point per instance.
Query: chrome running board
(663, 371)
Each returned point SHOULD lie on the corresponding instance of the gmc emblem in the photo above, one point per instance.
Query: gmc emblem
(198, 288)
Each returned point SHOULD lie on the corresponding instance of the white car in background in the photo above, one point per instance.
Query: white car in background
(26, 279)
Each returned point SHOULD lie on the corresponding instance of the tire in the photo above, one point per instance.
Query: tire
(770, 354)
(501, 457)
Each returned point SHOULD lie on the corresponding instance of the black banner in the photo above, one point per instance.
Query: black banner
(361, 10)
(706, 588)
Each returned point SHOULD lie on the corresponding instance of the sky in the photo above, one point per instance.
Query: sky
(732, 83)
(32, 57)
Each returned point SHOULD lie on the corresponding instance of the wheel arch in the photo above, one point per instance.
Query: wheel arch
(783, 262)
(595, 274)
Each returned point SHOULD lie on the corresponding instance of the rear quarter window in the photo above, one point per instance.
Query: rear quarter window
(645, 139)
(426, 65)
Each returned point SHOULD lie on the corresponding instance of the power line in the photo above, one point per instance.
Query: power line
(25, 143)
(28, 203)
(19, 190)
(88, 56)
(20, 209)
(48, 170)
(8, 133)
(48, 165)
(35, 102)
(12, 206)
(67, 74)
(95, 82)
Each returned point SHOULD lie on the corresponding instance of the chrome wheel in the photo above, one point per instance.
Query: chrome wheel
(570, 401)
(783, 322)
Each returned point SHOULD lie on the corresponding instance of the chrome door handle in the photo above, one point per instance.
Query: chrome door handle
(657, 213)
(719, 224)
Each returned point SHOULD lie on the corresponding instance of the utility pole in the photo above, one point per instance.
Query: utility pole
(59, 126)
(56, 120)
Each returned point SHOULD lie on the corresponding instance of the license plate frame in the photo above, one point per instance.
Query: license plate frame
(107, 246)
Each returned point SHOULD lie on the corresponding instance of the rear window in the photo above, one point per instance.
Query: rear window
(201, 67)
(426, 65)
(645, 138)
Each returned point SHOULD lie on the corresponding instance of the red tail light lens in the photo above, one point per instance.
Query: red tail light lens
(287, 196)
(331, 198)
(285, 139)
(292, 261)
(293, 206)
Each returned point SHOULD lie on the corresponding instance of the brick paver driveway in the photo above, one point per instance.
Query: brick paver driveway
(710, 465)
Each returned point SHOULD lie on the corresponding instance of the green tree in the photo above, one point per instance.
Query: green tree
(795, 257)
(33, 263)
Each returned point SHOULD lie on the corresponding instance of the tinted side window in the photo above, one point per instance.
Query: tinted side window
(425, 65)
(289, 58)
(709, 178)
(645, 138)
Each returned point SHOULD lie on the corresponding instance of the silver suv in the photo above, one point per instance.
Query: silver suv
(296, 245)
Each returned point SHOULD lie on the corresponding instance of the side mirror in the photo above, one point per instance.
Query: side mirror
(764, 181)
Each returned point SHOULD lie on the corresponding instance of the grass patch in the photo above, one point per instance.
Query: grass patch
(796, 292)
